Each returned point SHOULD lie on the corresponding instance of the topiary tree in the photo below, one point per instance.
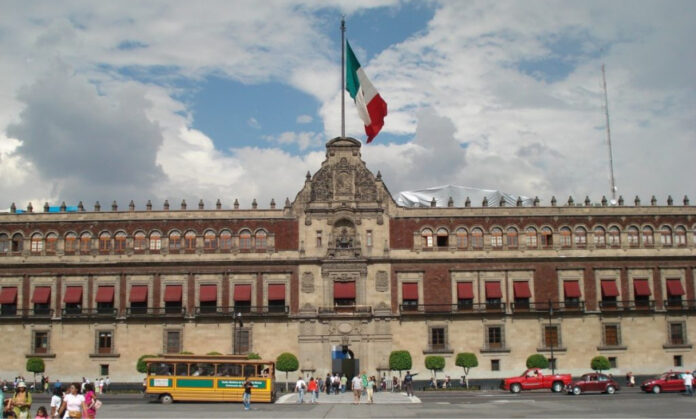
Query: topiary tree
(212, 353)
(253, 355)
(400, 361)
(466, 360)
(185, 353)
(600, 363)
(35, 365)
(435, 363)
(287, 362)
(141, 365)
(537, 361)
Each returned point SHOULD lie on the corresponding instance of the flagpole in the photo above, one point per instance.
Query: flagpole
(343, 77)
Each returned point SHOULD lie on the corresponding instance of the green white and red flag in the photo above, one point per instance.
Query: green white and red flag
(371, 107)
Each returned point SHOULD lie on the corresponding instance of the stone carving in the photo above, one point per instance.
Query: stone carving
(345, 328)
(307, 285)
(345, 179)
(382, 281)
(365, 185)
(322, 185)
(344, 185)
(344, 241)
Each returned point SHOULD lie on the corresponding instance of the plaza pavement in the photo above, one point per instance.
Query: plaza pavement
(381, 397)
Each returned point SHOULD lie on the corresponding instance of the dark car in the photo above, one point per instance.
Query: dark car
(593, 382)
(669, 381)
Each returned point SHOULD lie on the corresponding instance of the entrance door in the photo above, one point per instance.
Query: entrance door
(345, 363)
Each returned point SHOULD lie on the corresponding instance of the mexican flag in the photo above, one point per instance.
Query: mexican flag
(371, 108)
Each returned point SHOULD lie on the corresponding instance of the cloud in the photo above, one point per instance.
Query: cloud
(304, 119)
(303, 140)
(252, 122)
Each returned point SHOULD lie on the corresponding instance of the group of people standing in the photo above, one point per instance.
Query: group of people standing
(72, 404)
(335, 384)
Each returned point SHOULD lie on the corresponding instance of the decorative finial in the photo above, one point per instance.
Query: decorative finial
(46, 207)
(604, 201)
(636, 201)
(272, 203)
(670, 201)
(254, 205)
(571, 202)
(587, 201)
(308, 176)
(30, 208)
(485, 201)
(97, 206)
(183, 204)
(467, 203)
(201, 205)
(379, 175)
(686, 201)
(653, 201)
(13, 208)
(166, 205)
(80, 206)
(287, 202)
(621, 201)
(553, 200)
(236, 203)
(63, 207)
(519, 201)
(450, 202)
(131, 206)
(501, 203)
(114, 206)
(148, 206)
(536, 201)
(218, 204)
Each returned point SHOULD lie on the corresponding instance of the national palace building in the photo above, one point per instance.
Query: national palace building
(343, 266)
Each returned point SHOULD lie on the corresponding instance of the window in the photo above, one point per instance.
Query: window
(614, 237)
(85, 243)
(648, 237)
(572, 294)
(580, 237)
(511, 237)
(566, 239)
(42, 300)
(318, 238)
(666, 236)
(242, 341)
(477, 238)
(368, 238)
(494, 294)
(139, 241)
(8, 301)
(104, 242)
(242, 298)
(105, 299)
(51, 240)
(409, 295)
(437, 340)
(495, 365)
(494, 337)
(677, 333)
(40, 342)
(245, 239)
(70, 244)
(190, 241)
(344, 293)
(37, 243)
(680, 236)
(611, 335)
(613, 363)
(442, 237)
(260, 240)
(207, 295)
(496, 238)
(465, 295)
(609, 293)
(104, 370)
(551, 337)
(225, 240)
(172, 343)
(531, 238)
(104, 342)
(138, 299)
(641, 292)
(155, 241)
(546, 237)
(632, 236)
(175, 241)
(172, 299)
(276, 298)
(675, 291)
(120, 242)
(427, 237)
(4, 244)
(73, 299)
(678, 361)
(600, 237)
(462, 238)
(522, 294)
(210, 240)
(17, 243)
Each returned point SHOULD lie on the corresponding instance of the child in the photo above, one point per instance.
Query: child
(41, 413)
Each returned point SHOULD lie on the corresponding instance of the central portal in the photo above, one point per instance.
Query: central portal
(343, 361)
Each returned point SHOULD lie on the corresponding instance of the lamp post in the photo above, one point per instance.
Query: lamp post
(553, 361)
(236, 319)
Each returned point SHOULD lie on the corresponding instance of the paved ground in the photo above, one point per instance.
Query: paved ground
(629, 403)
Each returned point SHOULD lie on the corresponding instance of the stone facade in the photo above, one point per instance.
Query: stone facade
(342, 266)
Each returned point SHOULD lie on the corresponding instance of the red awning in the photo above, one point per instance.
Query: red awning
(73, 295)
(609, 288)
(641, 287)
(242, 292)
(465, 290)
(138, 294)
(105, 294)
(276, 292)
(571, 289)
(344, 290)
(493, 290)
(409, 290)
(173, 293)
(674, 287)
(8, 295)
(42, 295)
(208, 293)
(521, 289)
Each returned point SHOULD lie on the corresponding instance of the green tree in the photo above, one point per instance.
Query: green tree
(141, 365)
(600, 363)
(35, 365)
(466, 360)
(537, 361)
(185, 353)
(253, 355)
(400, 361)
(435, 363)
(213, 353)
(287, 362)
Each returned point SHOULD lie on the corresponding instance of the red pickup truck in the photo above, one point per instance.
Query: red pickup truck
(534, 379)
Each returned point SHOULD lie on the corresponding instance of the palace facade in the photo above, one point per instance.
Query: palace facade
(343, 271)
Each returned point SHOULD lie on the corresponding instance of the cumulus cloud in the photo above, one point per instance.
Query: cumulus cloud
(303, 140)
(304, 119)
(252, 122)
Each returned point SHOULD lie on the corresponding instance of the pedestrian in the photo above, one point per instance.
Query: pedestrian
(246, 398)
(57, 384)
(327, 383)
(21, 401)
(107, 383)
(73, 402)
(689, 383)
(363, 379)
(313, 389)
(335, 383)
(320, 386)
(433, 383)
(41, 413)
(395, 383)
(300, 387)
(56, 401)
(344, 383)
(408, 383)
(370, 389)
(356, 385)
(90, 401)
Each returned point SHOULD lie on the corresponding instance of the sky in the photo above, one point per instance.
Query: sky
(155, 100)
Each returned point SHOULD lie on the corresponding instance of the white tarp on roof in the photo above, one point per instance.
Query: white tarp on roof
(423, 197)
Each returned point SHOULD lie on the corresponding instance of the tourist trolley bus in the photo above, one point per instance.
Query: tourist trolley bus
(208, 378)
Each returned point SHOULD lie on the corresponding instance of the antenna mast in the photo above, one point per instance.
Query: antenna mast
(611, 156)
(343, 77)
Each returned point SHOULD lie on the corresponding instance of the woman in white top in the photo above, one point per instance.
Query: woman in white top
(56, 401)
(74, 403)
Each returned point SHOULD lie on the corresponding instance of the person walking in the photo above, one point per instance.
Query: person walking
(300, 387)
(370, 389)
(246, 398)
(73, 402)
(689, 383)
(327, 383)
(356, 385)
(21, 401)
(313, 389)
(335, 383)
(90, 401)
(344, 383)
(56, 401)
(408, 383)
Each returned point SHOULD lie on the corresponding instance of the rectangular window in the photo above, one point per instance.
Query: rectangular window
(172, 343)
(678, 361)
(368, 239)
(494, 337)
(437, 339)
(8, 299)
(674, 292)
(613, 363)
(612, 335)
(551, 337)
(173, 299)
(207, 295)
(494, 295)
(319, 238)
(104, 370)
(677, 335)
(104, 342)
(609, 293)
(465, 295)
(522, 294)
(40, 342)
(571, 291)
(495, 365)
(276, 298)
(409, 295)
(242, 343)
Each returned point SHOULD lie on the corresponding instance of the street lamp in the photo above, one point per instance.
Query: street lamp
(236, 319)
(553, 361)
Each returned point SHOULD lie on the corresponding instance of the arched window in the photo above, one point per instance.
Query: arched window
(155, 240)
(648, 236)
(139, 241)
(511, 237)
(680, 236)
(666, 236)
(442, 237)
(614, 237)
(580, 237)
(120, 242)
(37, 243)
(174, 240)
(566, 239)
(532, 238)
(600, 237)
(546, 237)
(210, 240)
(51, 240)
(4, 244)
(260, 239)
(496, 238)
(225, 240)
(85, 243)
(190, 240)
(104, 242)
(477, 238)
(245, 239)
(70, 245)
(462, 238)
(17, 243)
(632, 236)
(427, 237)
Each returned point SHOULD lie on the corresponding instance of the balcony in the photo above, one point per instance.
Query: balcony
(74, 313)
(626, 305)
(345, 310)
(247, 311)
(544, 307)
(26, 313)
(682, 305)
(409, 309)
(160, 312)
